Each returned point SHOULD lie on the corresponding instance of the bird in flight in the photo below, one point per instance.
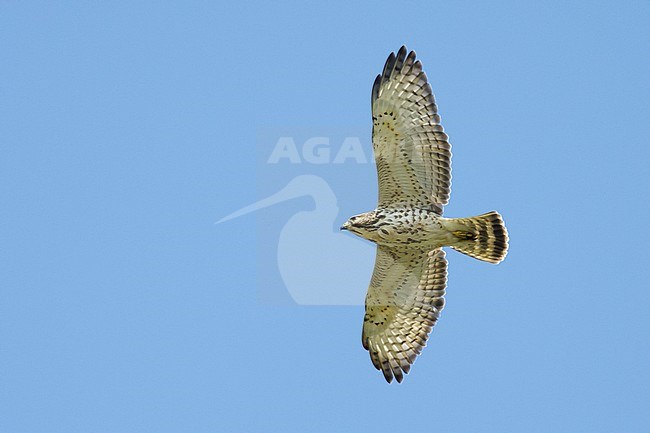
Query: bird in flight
(413, 158)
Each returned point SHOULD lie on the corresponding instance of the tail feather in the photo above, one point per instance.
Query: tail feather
(483, 237)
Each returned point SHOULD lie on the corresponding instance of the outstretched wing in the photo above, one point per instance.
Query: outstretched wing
(411, 149)
(404, 301)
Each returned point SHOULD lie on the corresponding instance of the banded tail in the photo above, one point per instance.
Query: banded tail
(483, 237)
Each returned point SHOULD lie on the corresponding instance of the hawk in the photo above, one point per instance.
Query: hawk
(413, 158)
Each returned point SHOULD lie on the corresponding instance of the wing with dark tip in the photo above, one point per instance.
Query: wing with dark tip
(403, 303)
(412, 151)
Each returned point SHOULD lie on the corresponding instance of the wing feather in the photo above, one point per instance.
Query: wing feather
(412, 151)
(403, 303)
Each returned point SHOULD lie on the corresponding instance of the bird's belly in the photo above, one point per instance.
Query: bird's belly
(426, 233)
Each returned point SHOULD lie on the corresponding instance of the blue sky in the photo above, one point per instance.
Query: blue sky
(127, 131)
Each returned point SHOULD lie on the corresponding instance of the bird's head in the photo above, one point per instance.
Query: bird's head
(364, 225)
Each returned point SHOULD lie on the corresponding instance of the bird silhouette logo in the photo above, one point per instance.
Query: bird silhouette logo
(310, 246)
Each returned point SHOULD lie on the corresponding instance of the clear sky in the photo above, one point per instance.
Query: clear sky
(127, 130)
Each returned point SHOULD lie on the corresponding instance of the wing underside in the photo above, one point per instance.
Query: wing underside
(412, 151)
(404, 301)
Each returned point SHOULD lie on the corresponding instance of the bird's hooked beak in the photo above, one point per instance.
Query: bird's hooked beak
(345, 225)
